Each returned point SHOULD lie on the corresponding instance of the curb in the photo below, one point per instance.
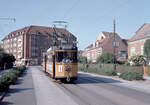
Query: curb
(147, 77)
(2, 95)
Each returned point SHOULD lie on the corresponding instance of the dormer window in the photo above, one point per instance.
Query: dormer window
(37, 32)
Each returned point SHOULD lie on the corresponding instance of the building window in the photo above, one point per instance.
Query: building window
(115, 44)
(14, 50)
(142, 49)
(123, 54)
(15, 39)
(133, 49)
(37, 32)
(34, 36)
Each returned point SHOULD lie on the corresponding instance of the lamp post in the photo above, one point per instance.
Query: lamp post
(114, 44)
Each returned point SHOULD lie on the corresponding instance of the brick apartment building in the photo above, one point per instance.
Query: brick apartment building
(136, 43)
(104, 43)
(29, 43)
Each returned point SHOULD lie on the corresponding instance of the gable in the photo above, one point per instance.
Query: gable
(142, 33)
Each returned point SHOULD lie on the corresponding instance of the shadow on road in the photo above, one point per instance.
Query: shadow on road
(16, 90)
(88, 79)
(6, 103)
(11, 92)
(20, 80)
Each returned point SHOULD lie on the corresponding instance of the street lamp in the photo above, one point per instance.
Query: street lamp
(114, 45)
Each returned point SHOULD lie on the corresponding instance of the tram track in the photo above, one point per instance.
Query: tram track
(85, 96)
(92, 91)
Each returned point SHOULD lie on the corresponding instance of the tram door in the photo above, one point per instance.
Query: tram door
(45, 63)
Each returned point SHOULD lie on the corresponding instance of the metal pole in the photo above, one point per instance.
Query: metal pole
(114, 44)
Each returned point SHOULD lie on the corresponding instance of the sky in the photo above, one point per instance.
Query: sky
(86, 18)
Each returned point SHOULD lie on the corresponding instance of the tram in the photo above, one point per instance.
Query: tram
(61, 63)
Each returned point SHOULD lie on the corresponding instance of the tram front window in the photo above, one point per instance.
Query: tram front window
(66, 57)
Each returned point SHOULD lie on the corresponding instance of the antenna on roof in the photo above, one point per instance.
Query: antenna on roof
(63, 24)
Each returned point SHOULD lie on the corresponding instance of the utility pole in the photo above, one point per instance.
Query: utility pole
(114, 43)
(12, 19)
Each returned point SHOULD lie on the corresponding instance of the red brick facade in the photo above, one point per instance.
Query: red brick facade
(29, 43)
(136, 43)
(103, 44)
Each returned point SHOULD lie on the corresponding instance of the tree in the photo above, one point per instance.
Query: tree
(138, 60)
(106, 58)
(82, 59)
(1, 49)
(6, 60)
(147, 49)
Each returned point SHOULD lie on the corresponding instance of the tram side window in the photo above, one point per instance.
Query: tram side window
(74, 57)
(59, 56)
(49, 58)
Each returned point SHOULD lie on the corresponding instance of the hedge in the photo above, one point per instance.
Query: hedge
(148, 71)
(126, 72)
(103, 70)
(131, 75)
(10, 78)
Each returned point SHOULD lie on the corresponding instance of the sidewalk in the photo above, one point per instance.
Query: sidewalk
(22, 93)
(147, 77)
(143, 86)
(35, 88)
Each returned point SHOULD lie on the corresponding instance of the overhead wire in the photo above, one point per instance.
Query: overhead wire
(71, 8)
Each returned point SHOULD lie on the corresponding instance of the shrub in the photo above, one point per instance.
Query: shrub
(138, 60)
(123, 68)
(82, 59)
(147, 48)
(16, 72)
(106, 58)
(10, 78)
(4, 84)
(20, 68)
(131, 75)
(98, 69)
(148, 71)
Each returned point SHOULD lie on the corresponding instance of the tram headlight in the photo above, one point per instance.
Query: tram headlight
(67, 68)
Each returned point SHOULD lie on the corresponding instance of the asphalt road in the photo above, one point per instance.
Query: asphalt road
(36, 88)
(91, 90)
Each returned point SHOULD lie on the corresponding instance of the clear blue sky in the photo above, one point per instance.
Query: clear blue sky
(87, 18)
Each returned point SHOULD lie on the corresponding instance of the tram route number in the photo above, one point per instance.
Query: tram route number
(60, 68)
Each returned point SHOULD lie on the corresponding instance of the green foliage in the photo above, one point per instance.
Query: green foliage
(10, 78)
(138, 60)
(106, 58)
(98, 69)
(1, 49)
(147, 48)
(148, 71)
(131, 75)
(127, 72)
(6, 60)
(20, 68)
(82, 59)
(122, 68)
(4, 84)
